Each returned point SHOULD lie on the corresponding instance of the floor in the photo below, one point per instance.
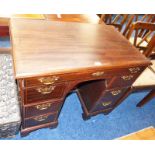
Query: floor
(144, 134)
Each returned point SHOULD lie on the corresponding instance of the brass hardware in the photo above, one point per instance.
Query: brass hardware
(127, 77)
(48, 80)
(134, 70)
(43, 106)
(97, 74)
(115, 92)
(45, 90)
(106, 103)
(40, 118)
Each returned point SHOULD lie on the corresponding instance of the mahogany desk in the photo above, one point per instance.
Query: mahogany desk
(53, 58)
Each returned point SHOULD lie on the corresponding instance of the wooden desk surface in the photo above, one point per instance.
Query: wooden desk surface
(45, 47)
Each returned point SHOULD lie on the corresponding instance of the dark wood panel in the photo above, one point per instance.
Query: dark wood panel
(43, 108)
(44, 93)
(125, 80)
(109, 99)
(91, 91)
(39, 120)
(96, 97)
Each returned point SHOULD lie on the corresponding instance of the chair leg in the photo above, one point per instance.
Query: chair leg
(146, 98)
(102, 18)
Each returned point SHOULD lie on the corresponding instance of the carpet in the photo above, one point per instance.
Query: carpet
(125, 119)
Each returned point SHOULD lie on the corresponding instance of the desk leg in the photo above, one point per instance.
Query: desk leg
(26, 131)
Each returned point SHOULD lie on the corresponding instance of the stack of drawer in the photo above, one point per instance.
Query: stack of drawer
(102, 96)
(42, 99)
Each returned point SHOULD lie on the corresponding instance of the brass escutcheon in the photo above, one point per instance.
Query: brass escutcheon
(40, 118)
(127, 77)
(46, 90)
(43, 106)
(106, 103)
(115, 92)
(48, 80)
(134, 70)
(96, 74)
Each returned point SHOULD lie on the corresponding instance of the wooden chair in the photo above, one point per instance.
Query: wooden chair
(146, 80)
(150, 18)
(121, 21)
(141, 35)
(147, 98)
(106, 18)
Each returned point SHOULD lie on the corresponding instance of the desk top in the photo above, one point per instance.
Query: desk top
(42, 47)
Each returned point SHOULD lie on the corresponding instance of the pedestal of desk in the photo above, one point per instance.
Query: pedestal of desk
(42, 97)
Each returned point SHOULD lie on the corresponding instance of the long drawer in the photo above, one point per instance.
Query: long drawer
(90, 74)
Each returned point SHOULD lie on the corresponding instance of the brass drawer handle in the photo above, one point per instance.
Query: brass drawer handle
(40, 118)
(96, 74)
(43, 106)
(45, 90)
(106, 103)
(134, 70)
(116, 92)
(48, 80)
(127, 77)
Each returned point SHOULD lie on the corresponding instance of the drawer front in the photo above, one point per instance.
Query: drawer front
(39, 120)
(135, 70)
(63, 78)
(109, 99)
(41, 109)
(90, 74)
(123, 81)
(44, 93)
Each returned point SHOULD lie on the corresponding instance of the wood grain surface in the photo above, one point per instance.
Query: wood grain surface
(144, 134)
(43, 47)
